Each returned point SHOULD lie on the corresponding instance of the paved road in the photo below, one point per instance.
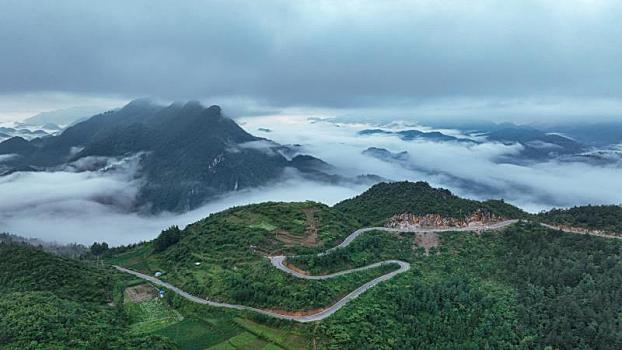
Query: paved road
(278, 262)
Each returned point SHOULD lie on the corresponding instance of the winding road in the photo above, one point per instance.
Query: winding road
(279, 263)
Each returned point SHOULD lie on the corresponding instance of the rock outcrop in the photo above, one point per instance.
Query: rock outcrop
(408, 220)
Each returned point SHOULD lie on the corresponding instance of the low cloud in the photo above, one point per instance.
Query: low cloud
(81, 204)
(471, 170)
(92, 206)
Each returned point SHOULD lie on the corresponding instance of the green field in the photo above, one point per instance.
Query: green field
(148, 316)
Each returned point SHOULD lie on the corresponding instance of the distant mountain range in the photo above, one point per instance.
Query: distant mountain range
(189, 153)
(412, 134)
(569, 143)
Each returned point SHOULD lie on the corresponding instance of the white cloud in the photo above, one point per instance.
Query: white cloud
(84, 207)
(467, 169)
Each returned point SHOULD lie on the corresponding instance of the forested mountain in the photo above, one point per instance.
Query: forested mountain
(189, 153)
(49, 302)
(384, 200)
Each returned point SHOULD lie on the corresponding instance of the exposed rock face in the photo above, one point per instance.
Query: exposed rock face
(407, 220)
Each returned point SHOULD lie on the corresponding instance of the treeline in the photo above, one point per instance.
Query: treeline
(384, 200)
(600, 217)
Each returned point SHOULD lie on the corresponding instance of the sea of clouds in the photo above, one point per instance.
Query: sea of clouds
(92, 199)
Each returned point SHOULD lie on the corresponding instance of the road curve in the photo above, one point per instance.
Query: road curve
(279, 263)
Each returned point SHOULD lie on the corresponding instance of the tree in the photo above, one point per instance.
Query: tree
(99, 248)
(166, 239)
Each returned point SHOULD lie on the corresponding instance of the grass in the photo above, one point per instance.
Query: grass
(286, 337)
(263, 226)
(245, 340)
(135, 259)
(151, 315)
(198, 334)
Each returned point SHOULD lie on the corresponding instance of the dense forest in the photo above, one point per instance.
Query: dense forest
(600, 217)
(50, 302)
(526, 287)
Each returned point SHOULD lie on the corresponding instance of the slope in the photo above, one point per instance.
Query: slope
(384, 200)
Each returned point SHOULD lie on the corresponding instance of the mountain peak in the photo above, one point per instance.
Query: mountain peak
(138, 102)
(215, 109)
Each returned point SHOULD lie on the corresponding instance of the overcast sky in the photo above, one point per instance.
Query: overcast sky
(517, 60)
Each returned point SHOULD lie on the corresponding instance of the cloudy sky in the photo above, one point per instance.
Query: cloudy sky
(519, 60)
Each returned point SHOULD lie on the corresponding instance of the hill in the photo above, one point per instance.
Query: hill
(188, 153)
(384, 200)
(230, 248)
(53, 302)
(523, 287)
(593, 217)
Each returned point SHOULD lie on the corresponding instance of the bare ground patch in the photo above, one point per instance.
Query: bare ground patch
(309, 239)
(427, 240)
(140, 293)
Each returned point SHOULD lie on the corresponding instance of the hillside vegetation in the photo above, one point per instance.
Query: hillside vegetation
(524, 288)
(384, 200)
(49, 302)
(595, 217)
(223, 257)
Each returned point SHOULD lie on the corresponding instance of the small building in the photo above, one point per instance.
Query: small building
(197, 264)
(158, 274)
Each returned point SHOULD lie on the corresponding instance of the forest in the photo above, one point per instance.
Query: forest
(524, 288)
(601, 217)
(50, 302)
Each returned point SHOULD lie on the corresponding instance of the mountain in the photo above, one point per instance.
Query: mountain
(384, 154)
(409, 135)
(189, 153)
(65, 116)
(26, 132)
(598, 134)
(537, 144)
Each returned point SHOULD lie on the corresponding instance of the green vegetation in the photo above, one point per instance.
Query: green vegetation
(204, 327)
(368, 248)
(166, 239)
(30, 269)
(286, 336)
(50, 302)
(526, 287)
(229, 247)
(598, 217)
(151, 315)
(384, 200)
(198, 334)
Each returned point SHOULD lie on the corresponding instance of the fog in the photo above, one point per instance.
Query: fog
(85, 207)
(472, 170)
(77, 203)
